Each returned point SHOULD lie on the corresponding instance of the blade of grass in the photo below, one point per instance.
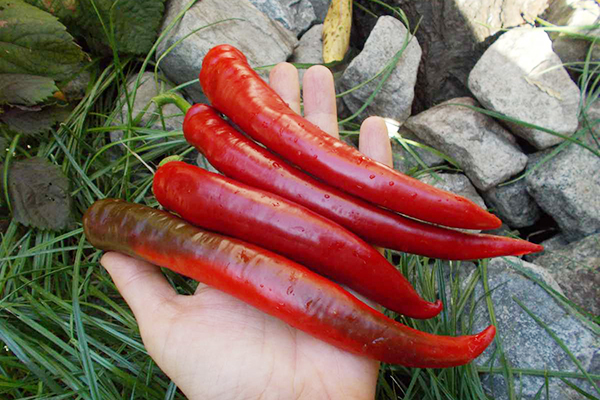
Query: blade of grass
(14, 343)
(579, 390)
(88, 366)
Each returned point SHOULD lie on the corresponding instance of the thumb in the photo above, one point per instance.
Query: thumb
(142, 285)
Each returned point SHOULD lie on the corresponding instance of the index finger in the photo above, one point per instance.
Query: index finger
(283, 78)
(319, 99)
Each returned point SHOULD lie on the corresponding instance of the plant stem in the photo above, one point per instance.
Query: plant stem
(172, 98)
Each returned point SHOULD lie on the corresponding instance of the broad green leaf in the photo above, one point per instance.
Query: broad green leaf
(39, 194)
(33, 42)
(25, 89)
(31, 122)
(67, 11)
(133, 24)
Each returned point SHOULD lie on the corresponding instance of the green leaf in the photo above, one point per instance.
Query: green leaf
(133, 24)
(31, 122)
(25, 89)
(39, 194)
(33, 42)
(67, 11)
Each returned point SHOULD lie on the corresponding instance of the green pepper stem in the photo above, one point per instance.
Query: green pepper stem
(172, 98)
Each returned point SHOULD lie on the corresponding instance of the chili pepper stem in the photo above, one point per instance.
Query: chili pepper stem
(172, 98)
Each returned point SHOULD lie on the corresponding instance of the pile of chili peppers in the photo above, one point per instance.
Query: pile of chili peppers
(283, 241)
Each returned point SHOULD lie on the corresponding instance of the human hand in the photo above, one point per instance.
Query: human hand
(215, 346)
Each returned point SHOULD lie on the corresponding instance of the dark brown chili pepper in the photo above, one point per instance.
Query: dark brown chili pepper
(274, 285)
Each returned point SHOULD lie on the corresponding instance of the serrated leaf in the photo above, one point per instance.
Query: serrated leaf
(135, 23)
(39, 194)
(31, 122)
(25, 89)
(67, 11)
(34, 42)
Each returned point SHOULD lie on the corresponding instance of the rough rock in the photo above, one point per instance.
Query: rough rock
(575, 14)
(554, 243)
(320, 7)
(521, 76)
(525, 343)
(295, 15)
(404, 161)
(453, 34)
(397, 93)
(263, 41)
(148, 88)
(309, 49)
(576, 268)
(567, 187)
(484, 150)
(513, 204)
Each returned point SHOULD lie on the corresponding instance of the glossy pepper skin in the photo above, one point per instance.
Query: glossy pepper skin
(243, 160)
(274, 285)
(220, 204)
(236, 90)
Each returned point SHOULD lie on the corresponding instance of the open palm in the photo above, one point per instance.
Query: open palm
(215, 346)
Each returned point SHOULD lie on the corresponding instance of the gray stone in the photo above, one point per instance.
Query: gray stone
(295, 15)
(148, 88)
(455, 183)
(576, 268)
(396, 95)
(309, 49)
(576, 14)
(567, 187)
(453, 34)
(526, 344)
(554, 243)
(513, 204)
(263, 41)
(320, 7)
(406, 162)
(520, 76)
(484, 150)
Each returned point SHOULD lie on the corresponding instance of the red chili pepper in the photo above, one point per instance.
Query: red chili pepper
(243, 160)
(220, 204)
(274, 285)
(237, 91)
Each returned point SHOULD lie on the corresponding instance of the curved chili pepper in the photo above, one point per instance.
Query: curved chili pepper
(220, 204)
(237, 91)
(243, 160)
(274, 285)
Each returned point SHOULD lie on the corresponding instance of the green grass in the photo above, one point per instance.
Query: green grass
(68, 334)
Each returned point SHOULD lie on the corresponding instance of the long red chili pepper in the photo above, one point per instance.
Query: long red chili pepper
(243, 160)
(220, 204)
(274, 285)
(237, 91)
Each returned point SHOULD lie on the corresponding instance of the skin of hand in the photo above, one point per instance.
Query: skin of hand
(214, 346)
